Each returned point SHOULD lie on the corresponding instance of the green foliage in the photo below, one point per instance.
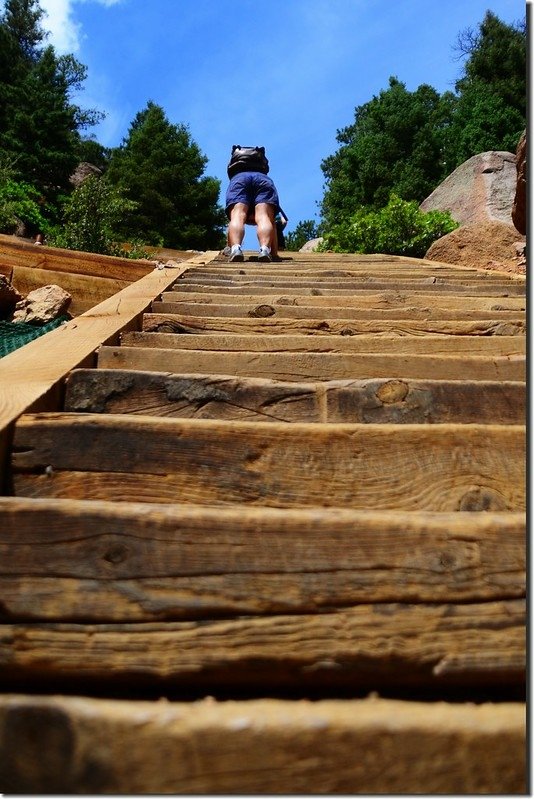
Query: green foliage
(304, 231)
(92, 216)
(408, 142)
(395, 144)
(399, 228)
(20, 205)
(162, 168)
(491, 108)
(39, 122)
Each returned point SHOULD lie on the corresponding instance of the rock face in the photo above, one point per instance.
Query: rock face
(519, 211)
(481, 190)
(82, 171)
(9, 297)
(489, 245)
(42, 305)
(311, 245)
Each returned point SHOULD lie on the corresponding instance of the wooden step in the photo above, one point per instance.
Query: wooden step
(306, 309)
(263, 400)
(181, 323)
(360, 297)
(366, 647)
(443, 467)
(80, 745)
(104, 562)
(262, 342)
(316, 365)
(337, 510)
(247, 271)
(192, 282)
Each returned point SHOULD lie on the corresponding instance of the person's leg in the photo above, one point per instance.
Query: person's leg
(236, 226)
(266, 231)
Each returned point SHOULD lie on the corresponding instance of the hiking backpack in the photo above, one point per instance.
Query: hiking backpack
(247, 159)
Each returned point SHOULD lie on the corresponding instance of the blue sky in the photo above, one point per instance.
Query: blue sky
(286, 75)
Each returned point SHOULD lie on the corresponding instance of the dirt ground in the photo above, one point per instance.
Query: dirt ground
(489, 245)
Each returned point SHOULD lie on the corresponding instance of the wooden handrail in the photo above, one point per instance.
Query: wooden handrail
(31, 378)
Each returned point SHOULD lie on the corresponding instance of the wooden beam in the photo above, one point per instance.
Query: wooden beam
(333, 344)
(361, 299)
(288, 308)
(182, 323)
(74, 745)
(330, 286)
(443, 467)
(263, 400)
(365, 647)
(305, 366)
(86, 290)
(32, 377)
(102, 562)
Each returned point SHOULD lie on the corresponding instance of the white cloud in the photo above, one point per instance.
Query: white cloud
(65, 32)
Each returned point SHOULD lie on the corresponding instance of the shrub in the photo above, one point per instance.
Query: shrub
(20, 206)
(399, 228)
(91, 216)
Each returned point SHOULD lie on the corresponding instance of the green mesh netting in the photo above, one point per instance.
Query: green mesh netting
(15, 334)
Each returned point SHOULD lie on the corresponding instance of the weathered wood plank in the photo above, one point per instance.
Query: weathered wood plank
(86, 291)
(75, 745)
(361, 297)
(334, 344)
(365, 647)
(316, 365)
(181, 323)
(14, 252)
(32, 376)
(118, 562)
(256, 399)
(382, 467)
(287, 308)
(364, 272)
(191, 282)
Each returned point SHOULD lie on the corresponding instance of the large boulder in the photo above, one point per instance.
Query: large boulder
(482, 189)
(311, 245)
(83, 171)
(42, 305)
(489, 245)
(519, 209)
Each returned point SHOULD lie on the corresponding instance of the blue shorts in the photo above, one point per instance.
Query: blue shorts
(251, 188)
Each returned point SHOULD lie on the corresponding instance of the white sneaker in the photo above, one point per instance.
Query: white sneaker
(265, 255)
(236, 253)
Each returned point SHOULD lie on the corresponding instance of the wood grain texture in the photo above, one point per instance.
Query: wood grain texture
(256, 399)
(86, 290)
(76, 560)
(90, 746)
(286, 307)
(15, 252)
(381, 467)
(409, 272)
(182, 323)
(306, 366)
(366, 647)
(335, 286)
(360, 299)
(262, 342)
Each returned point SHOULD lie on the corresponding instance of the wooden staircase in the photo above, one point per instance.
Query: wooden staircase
(263, 531)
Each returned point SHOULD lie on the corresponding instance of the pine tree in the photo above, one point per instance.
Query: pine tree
(161, 168)
(39, 123)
